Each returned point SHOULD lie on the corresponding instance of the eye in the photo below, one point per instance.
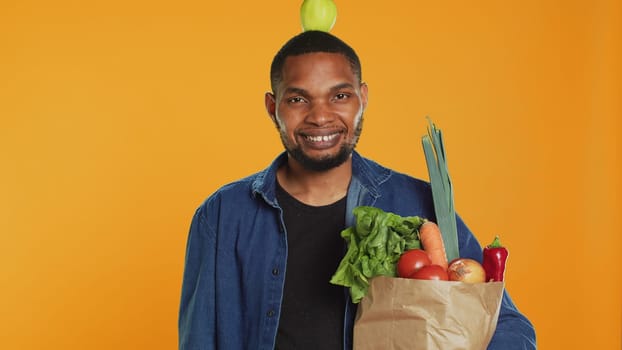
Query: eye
(341, 96)
(295, 99)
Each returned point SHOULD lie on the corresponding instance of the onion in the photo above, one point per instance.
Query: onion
(466, 270)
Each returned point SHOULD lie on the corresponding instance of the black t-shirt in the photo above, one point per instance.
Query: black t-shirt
(312, 311)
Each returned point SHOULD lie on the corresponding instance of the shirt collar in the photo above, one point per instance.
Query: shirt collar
(365, 172)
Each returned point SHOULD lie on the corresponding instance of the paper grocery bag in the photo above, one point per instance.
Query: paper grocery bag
(399, 313)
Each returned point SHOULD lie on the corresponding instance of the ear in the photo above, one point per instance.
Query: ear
(270, 102)
(364, 91)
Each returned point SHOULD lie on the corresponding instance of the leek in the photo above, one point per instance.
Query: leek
(442, 192)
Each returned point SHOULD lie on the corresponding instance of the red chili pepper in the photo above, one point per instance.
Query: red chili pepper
(495, 256)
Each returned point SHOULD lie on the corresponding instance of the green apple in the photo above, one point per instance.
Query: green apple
(318, 15)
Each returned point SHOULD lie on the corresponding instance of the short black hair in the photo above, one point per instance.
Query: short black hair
(309, 42)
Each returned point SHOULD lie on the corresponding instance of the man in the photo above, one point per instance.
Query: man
(261, 250)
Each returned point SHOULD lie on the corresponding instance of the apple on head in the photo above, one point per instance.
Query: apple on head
(318, 15)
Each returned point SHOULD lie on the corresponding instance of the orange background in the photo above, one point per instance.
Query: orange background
(117, 118)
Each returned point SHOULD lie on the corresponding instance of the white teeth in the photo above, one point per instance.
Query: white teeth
(324, 138)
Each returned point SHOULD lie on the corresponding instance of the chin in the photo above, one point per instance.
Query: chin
(321, 163)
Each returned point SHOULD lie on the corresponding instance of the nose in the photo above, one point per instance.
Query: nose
(320, 113)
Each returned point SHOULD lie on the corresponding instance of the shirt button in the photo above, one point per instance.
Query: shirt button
(275, 272)
(270, 313)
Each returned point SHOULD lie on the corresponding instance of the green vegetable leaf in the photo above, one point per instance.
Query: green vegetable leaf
(375, 244)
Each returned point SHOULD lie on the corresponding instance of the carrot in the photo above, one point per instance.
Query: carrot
(432, 242)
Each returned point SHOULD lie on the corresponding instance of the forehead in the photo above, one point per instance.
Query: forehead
(316, 67)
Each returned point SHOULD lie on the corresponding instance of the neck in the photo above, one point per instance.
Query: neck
(315, 187)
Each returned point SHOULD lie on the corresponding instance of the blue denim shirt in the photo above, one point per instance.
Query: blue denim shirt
(237, 251)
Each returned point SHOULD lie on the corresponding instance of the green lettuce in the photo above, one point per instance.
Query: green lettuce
(375, 243)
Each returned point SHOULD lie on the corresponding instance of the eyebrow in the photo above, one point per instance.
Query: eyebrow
(342, 86)
(295, 90)
(303, 92)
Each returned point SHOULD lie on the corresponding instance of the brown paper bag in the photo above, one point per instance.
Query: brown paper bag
(399, 313)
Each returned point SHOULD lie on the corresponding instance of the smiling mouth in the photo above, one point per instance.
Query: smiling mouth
(321, 138)
(322, 142)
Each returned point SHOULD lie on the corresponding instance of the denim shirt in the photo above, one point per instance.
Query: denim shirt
(237, 251)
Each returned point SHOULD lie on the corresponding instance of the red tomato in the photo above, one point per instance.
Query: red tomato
(431, 272)
(411, 261)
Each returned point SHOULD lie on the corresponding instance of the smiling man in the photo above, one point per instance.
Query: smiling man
(317, 106)
(261, 250)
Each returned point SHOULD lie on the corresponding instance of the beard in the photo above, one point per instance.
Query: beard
(327, 162)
